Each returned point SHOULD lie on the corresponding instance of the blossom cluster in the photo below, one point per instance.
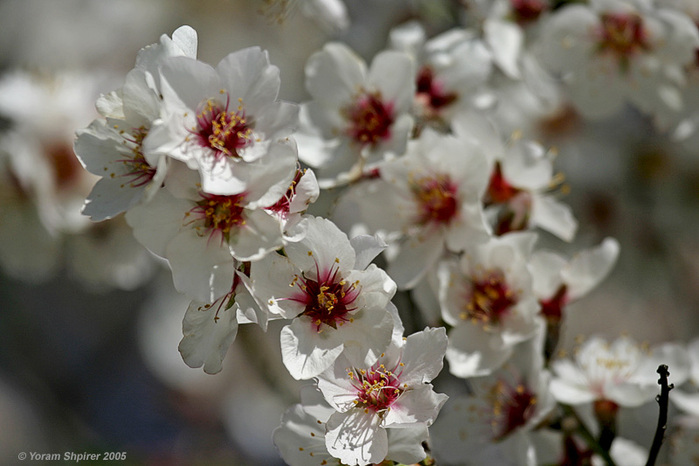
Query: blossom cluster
(441, 193)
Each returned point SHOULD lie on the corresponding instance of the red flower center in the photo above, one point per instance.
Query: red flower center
(437, 199)
(328, 298)
(221, 129)
(527, 11)
(499, 189)
(513, 407)
(622, 35)
(377, 388)
(283, 205)
(370, 119)
(220, 215)
(489, 299)
(430, 91)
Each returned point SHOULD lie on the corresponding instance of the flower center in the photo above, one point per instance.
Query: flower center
(369, 119)
(139, 170)
(499, 189)
(512, 407)
(489, 299)
(328, 299)
(283, 205)
(437, 197)
(220, 215)
(622, 35)
(377, 388)
(430, 92)
(527, 11)
(224, 131)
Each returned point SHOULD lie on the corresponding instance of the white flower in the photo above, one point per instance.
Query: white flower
(492, 424)
(558, 282)
(432, 196)
(621, 373)
(223, 121)
(452, 69)
(488, 299)
(610, 52)
(391, 393)
(337, 298)
(520, 193)
(301, 436)
(112, 148)
(356, 116)
(200, 233)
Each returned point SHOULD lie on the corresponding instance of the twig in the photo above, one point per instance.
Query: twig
(662, 400)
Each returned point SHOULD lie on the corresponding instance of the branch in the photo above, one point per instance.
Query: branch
(662, 400)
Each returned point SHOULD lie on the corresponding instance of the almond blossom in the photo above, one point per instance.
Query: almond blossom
(611, 52)
(357, 116)
(112, 148)
(428, 201)
(223, 121)
(489, 300)
(620, 373)
(202, 234)
(336, 298)
(393, 392)
(301, 436)
(492, 424)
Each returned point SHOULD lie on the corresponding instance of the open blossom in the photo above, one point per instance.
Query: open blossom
(610, 52)
(488, 298)
(112, 148)
(356, 116)
(224, 122)
(452, 70)
(200, 234)
(493, 424)
(620, 373)
(431, 196)
(300, 438)
(521, 189)
(336, 298)
(393, 392)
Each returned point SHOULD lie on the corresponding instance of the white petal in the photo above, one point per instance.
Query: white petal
(355, 437)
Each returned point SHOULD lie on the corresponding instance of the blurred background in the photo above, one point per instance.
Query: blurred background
(89, 322)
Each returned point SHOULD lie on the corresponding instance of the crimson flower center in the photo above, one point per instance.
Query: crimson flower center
(527, 11)
(221, 129)
(377, 388)
(437, 199)
(489, 299)
(499, 189)
(328, 299)
(370, 119)
(431, 92)
(220, 215)
(623, 35)
(513, 407)
(283, 205)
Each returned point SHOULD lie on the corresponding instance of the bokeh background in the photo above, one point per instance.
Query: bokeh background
(89, 323)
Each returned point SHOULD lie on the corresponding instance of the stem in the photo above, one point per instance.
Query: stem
(587, 436)
(662, 400)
